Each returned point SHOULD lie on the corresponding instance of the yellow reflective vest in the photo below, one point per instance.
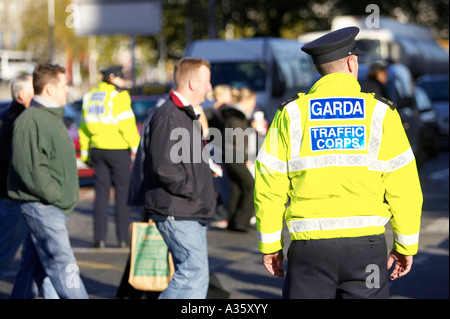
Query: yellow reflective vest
(108, 122)
(335, 163)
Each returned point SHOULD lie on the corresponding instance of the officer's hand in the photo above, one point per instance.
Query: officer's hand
(274, 263)
(402, 264)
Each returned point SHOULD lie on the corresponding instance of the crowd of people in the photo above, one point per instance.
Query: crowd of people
(39, 183)
(234, 109)
(336, 165)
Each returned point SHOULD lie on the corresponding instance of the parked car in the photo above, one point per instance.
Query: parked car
(437, 87)
(418, 115)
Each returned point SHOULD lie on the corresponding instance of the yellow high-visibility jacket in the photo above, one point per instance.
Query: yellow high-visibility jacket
(108, 122)
(336, 163)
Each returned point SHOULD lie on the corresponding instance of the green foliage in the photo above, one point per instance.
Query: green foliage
(187, 20)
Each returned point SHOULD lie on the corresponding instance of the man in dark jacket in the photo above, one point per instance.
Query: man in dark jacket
(179, 191)
(13, 228)
(12, 225)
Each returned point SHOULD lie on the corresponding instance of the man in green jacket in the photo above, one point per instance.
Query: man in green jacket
(43, 175)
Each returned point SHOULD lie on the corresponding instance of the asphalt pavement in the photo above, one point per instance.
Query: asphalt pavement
(234, 260)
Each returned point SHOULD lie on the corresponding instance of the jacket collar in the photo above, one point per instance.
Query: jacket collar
(40, 101)
(57, 111)
(338, 82)
(177, 99)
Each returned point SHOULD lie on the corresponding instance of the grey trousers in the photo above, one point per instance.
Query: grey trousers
(338, 268)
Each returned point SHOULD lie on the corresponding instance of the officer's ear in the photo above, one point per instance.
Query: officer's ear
(352, 65)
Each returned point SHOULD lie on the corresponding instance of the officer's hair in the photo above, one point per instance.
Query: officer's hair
(44, 74)
(186, 68)
(22, 82)
(332, 67)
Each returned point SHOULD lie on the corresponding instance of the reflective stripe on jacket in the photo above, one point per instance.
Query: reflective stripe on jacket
(337, 163)
(108, 121)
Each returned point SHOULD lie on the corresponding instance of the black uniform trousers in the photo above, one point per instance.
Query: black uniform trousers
(338, 268)
(111, 168)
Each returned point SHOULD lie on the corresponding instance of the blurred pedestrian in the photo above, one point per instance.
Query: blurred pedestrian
(222, 97)
(377, 78)
(337, 165)
(13, 228)
(43, 175)
(238, 137)
(109, 140)
(178, 183)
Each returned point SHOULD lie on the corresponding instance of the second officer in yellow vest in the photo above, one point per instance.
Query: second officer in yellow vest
(109, 138)
(337, 166)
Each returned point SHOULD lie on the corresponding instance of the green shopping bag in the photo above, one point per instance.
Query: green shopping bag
(151, 265)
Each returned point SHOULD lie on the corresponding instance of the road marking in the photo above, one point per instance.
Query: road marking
(93, 250)
(439, 174)
(94, 265)
(434, 251)
(438, 226)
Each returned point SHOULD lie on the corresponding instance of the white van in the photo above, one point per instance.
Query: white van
(276, 69)
(407, 43)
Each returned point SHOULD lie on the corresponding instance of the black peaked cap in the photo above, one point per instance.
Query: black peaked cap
(333, 46)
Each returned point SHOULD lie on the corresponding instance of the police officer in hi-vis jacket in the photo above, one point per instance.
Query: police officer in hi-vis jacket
(337, 166)
(109, 138)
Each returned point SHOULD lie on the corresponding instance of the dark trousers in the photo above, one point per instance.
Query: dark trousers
(240, 203)
(340, 268)
(111, 168)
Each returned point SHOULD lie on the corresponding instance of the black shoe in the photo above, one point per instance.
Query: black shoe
(100, 244)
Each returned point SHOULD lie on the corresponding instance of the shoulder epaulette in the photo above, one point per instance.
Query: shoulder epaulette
(295, 97)
(391, 104)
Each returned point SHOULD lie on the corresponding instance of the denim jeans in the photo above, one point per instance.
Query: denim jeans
(47, 251)
(186, 241)
(13, 230)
